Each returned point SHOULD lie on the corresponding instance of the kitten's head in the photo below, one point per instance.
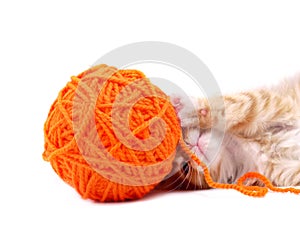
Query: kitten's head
(225, 161)
(186, 174)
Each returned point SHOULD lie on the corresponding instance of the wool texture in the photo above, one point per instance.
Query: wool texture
(111, 134)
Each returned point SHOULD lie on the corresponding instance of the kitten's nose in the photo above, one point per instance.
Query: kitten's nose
(200, 150)
(200, 145)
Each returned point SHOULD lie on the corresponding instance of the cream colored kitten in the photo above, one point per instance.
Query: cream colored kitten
(260, 132)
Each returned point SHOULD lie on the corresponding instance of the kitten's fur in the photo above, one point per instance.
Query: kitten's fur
(262, 134)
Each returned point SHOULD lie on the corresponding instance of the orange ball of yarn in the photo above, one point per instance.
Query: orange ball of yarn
(111, 134)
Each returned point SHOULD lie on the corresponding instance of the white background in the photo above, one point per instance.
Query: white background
(244, 44)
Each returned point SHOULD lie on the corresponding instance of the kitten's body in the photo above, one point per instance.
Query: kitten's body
(262, 134)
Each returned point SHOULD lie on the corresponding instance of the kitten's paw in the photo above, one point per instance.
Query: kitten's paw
(193, 112)
(204, 113)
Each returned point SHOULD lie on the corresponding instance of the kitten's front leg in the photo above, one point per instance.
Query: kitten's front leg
(197, 112)
(247, 113)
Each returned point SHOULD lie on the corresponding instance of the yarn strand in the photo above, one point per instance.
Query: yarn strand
(254, 191)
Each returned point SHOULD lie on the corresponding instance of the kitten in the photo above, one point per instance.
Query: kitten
(258, 130)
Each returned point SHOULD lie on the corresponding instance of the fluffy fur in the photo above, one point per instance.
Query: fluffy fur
(259, 131)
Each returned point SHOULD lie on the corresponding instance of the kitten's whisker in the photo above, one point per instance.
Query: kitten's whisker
(199, 180)
(195, 184)
(187, 177)
(178, 182)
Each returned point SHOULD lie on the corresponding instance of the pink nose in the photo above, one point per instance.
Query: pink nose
(200, 144)
(199, 150)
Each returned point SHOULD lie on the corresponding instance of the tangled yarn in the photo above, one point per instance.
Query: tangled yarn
(112, 136)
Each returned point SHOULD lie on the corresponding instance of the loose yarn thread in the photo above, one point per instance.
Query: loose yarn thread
(254, 191)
